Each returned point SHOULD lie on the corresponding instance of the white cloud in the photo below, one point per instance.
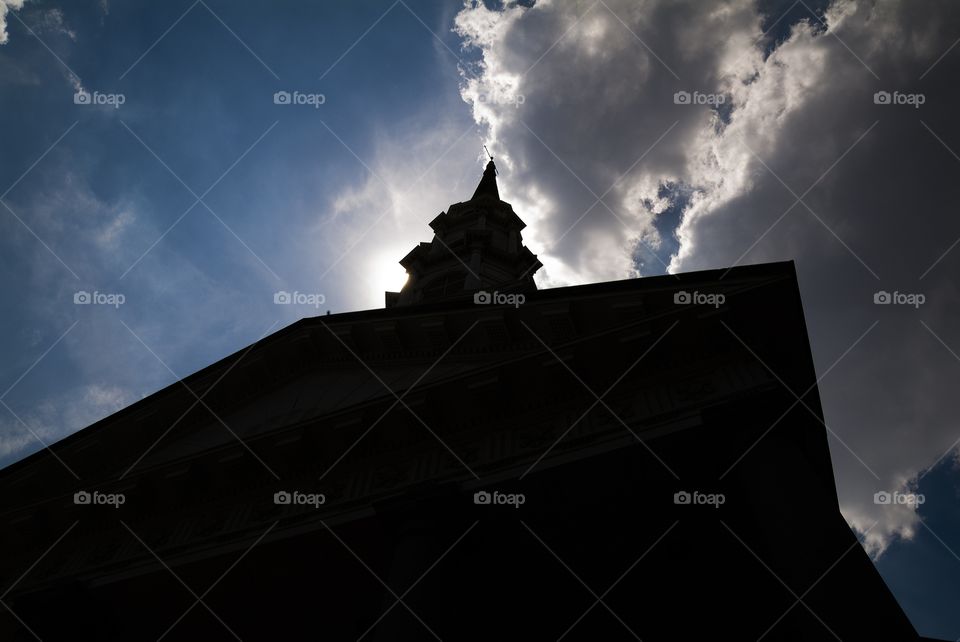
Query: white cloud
(48, 21)
(5, 7)
(111, 232)
(52, 21)
(595, 99)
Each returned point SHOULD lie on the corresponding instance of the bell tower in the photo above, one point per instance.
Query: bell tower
(476, 246)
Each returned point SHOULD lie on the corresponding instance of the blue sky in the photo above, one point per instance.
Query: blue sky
(197, 112)
(613, 177)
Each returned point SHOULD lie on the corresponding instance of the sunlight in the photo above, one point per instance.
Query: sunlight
(383, 274)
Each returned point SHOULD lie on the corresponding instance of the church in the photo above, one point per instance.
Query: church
(480, 459)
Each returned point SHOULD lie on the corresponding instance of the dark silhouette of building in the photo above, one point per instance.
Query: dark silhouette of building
(477, 244)
(623, 460)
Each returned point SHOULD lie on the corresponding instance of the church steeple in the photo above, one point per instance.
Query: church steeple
(476, 246)
(488, 183)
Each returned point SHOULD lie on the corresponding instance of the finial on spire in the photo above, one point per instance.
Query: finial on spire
(496, 173)
(488, 183)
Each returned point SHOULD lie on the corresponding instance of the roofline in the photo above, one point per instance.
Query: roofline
(787, 268)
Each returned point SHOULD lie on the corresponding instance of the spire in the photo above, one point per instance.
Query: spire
(488, 184)
(477, 246)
